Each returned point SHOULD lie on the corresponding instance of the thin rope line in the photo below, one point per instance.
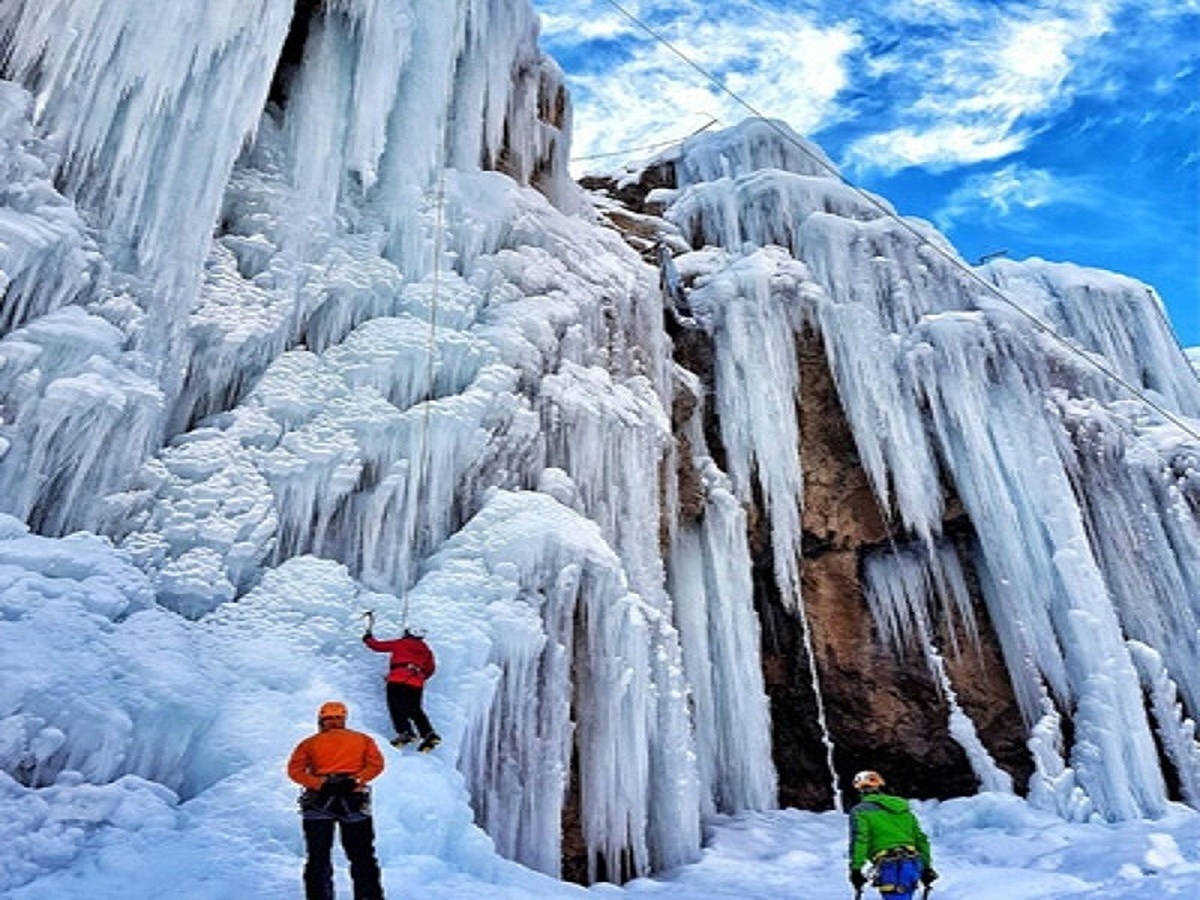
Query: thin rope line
(610, 153)
(873, 201)
(422, 462)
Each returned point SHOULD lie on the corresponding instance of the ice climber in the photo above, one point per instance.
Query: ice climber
(412, 664)
(885, 833)
(334, 767)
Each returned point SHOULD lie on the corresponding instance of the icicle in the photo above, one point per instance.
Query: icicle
(908, 591)
(46, 257)
(909, 588)
(1113, 315)
(1176, 731)
(78, 414)
(1042, 582)
(752, 307)
(144, 146)
(710, 584)
(746, 148)
(1053, 785)
(991, 777)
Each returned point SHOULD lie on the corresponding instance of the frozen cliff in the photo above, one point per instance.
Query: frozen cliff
(710, 484)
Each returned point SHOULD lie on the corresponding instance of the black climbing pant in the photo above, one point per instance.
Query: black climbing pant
(358, 840)
(404, 705)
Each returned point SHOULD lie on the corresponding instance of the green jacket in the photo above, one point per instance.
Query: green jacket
(882, 822)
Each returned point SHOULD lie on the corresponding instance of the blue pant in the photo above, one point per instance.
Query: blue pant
(897, 877)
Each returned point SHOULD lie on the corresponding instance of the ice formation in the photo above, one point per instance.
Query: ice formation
(1083, 501)
(302, 314)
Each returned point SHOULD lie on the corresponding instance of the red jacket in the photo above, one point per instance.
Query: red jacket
(412, 660)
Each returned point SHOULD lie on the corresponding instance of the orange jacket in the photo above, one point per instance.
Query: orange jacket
(334, 751)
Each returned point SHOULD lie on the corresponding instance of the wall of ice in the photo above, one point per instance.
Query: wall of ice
(316, 333)
(1084, 502)
(147, 117)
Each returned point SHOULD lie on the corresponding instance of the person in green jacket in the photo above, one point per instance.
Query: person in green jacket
(885, 833)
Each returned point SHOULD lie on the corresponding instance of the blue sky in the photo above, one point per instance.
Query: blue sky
(1065, 129)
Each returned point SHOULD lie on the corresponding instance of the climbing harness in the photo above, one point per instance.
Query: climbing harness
(898, 870)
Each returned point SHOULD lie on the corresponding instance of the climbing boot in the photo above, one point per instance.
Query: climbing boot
(431, 740)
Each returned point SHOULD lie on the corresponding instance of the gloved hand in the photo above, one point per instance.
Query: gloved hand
(857, 878)
(338, 786)
(929, 876)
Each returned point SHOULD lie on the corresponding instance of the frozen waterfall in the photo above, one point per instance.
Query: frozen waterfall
(302, 315)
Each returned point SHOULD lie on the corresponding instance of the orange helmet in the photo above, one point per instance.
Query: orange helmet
(334, 709)
(868, 781)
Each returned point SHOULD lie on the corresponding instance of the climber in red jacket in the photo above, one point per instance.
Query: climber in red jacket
(412, 664)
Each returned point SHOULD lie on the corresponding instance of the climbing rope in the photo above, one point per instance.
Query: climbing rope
(419, 471)
(627, 150)
(431, 356)
(974, 276)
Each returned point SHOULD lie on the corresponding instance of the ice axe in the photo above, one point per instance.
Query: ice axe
(369, 616)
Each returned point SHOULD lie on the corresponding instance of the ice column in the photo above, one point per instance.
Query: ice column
(752, 307)
(1140, 495)
(1176, 731)
(585, 656)
(710, 585)
(1044, 589)
(610, 437)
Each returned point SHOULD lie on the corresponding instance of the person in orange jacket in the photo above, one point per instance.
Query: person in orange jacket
(334, 766)
(412, 664)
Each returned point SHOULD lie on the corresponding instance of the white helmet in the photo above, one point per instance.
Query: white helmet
(868, 780)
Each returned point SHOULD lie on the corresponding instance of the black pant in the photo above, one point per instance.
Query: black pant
(358, 840)
(404, 704)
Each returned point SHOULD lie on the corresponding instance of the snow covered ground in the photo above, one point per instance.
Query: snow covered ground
(988, 847)
(206, 713)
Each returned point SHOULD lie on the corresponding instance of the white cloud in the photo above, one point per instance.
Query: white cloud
(982, 89)
(779, 62)
(937, 147)
(1009, 191)
(944, 82)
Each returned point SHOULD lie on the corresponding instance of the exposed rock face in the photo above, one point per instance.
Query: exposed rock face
(882, 710)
